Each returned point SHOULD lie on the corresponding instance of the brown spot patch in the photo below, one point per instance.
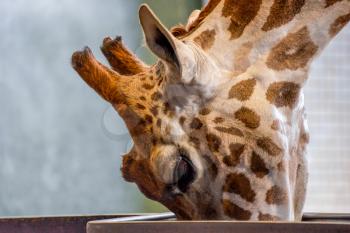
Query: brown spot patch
(167, 108)
(283, 94)
(276, 125)
(241, 13)
(231, 130)
(204, 111)
(147, 86)
(206, 39)
(258, 166)
(241, 60)
(182, 120)
(209, 211)
(211, 167)
(195, 141)
(276, 195)
(304, 138)
(154, 141)
(248, 117)
(331, 2)
(282, 12)
(142, 98)
(281, 167)
(196, 123)
(239, 184)
(139, 129)
(214, 142)
(338, 24)
(293, 52)
(180, 31)
(149, 119)
(234, 211)
(269, 146)
(154, 110)
(267, 217)
(218, 120)
(230, 161)
(242, 90)
(140, 106)
(159, 122)
(236, 150)
(156, 96)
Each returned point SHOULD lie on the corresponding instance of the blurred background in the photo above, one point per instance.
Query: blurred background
(60, 144)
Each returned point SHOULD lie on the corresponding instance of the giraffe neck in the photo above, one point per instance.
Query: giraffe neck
(274, 148)
(272, 42)
(238, 34)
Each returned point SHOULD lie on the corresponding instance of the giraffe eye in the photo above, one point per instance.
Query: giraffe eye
(184, 173)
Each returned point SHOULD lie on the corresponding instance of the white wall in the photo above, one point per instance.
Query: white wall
(327, 98)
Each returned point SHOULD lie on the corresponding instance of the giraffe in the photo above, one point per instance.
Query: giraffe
(218, 123)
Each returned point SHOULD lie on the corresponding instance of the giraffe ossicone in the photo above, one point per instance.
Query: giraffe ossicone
(218, 123)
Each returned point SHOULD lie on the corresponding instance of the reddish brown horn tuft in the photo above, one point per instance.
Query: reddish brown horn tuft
(97, 76)
(120, 58)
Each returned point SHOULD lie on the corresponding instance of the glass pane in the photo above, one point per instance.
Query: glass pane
(60, 143)
(327, 98)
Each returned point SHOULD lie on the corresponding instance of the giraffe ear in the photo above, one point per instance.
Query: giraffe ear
(161, 42)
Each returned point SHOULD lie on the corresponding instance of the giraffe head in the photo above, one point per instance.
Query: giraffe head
(217, 132)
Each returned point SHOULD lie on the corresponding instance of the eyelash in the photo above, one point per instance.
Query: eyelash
(184, 177)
